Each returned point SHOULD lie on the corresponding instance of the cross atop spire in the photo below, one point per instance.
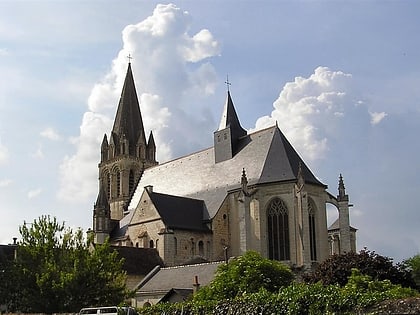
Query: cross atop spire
(129, 58)
(227, 82)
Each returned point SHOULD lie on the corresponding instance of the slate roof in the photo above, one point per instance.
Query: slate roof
(138, 261)
(336, 226)
(266, 155)
(170, 207)
(179, 277)
(7, 253)
(230, 119)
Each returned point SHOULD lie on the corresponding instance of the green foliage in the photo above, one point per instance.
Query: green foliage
(56, 271)
(359, 293)
(246, 274)
(414, 265)
(337, 269)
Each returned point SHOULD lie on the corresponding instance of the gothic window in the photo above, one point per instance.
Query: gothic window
(312, 230)
(118, 184)
(151, 245)
(108, 184)
(192, 247)
(131, 181)
(278, 230)
(201, 248)
(157, 242)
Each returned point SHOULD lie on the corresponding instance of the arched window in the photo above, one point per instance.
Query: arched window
(278, 230)
(312, 229)
(201, 248)
(192, 247)
(108, 184)
(131, 182)
(118, 183)
(151, 245)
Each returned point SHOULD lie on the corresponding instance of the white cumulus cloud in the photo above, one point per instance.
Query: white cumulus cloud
(172, 73)
(376, 117)
(4, 153)
(34, 193)
(50, 133)
(39, 153)
(5, 182)
(312, 111)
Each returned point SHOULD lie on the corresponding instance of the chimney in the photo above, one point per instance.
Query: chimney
(196, 285)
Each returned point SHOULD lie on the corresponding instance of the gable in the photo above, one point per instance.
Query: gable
(180, 212)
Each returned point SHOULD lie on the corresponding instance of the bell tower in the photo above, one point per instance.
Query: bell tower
(124, 156)
(230, 131)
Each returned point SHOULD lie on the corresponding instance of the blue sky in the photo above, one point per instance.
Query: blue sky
(341, 78)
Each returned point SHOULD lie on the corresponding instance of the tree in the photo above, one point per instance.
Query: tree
(57, 270)
(414, 265)
(337, 269)
(246, 274)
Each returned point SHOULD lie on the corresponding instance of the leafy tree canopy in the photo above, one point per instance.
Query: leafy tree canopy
(58, 270)
(246, 274)
(414, 265)
(337, 269)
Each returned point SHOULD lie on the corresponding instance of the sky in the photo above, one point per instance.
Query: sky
(340, 78)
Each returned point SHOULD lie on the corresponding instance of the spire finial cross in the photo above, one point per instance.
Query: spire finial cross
(129, 58)
(227, 82)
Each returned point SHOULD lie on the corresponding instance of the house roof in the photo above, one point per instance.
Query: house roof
(7, 253)
(336, 226)
(266, 155)
(138, 261)
(169, 208)
(179, 277)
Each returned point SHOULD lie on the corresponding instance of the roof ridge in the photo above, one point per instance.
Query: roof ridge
(207, 149)
(176, 196)
(193, 265)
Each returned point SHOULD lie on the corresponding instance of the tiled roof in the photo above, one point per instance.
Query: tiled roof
(266, 155)
(180, 277)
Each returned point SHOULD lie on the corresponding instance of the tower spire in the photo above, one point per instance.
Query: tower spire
(128, 121)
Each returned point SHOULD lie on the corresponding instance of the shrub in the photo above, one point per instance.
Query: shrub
(337, 269)
(248, 273)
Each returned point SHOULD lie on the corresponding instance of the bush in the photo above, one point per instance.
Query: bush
(413, 264)
(248, 273)
(337, 269)
(298, 298)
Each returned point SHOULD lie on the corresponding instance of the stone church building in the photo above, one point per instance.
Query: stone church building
(246, 192)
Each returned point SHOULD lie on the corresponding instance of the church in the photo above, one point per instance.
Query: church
(249, 191)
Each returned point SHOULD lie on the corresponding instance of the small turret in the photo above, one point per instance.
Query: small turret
(343, 217)
(342, 190)
(104, 149)
(230, 131)
(151, 148)
(101, 216)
